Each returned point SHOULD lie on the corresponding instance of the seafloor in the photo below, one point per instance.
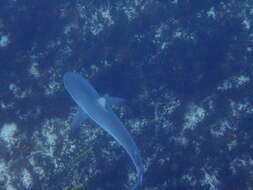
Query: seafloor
(184, 67)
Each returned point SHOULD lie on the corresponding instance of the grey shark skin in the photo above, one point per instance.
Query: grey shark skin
(97, 108)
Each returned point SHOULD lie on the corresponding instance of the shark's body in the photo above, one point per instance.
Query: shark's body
(99, 110)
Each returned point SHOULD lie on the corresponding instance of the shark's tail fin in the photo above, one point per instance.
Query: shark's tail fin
(138, 182)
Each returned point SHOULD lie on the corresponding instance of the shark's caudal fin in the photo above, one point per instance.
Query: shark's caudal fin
(138, 182)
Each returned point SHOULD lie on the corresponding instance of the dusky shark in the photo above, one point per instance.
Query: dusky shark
(98, 108)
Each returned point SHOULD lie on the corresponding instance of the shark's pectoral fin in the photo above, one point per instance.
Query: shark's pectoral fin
(78, 119)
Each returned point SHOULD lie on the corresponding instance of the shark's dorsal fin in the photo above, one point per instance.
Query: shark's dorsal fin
(108, 101)
(102, 102)
(113, 100)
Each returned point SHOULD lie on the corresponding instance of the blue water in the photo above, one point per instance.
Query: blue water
(185, 69)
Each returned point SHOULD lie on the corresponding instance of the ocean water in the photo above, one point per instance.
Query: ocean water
(185, 69)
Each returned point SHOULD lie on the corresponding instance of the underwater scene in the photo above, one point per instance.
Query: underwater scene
(126, 95)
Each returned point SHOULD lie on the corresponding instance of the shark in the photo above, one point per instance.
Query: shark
(99, 109)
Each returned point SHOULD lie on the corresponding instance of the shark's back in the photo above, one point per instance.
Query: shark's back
(78, 86)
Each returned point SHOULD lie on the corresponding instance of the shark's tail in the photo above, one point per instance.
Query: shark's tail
(138, 182)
